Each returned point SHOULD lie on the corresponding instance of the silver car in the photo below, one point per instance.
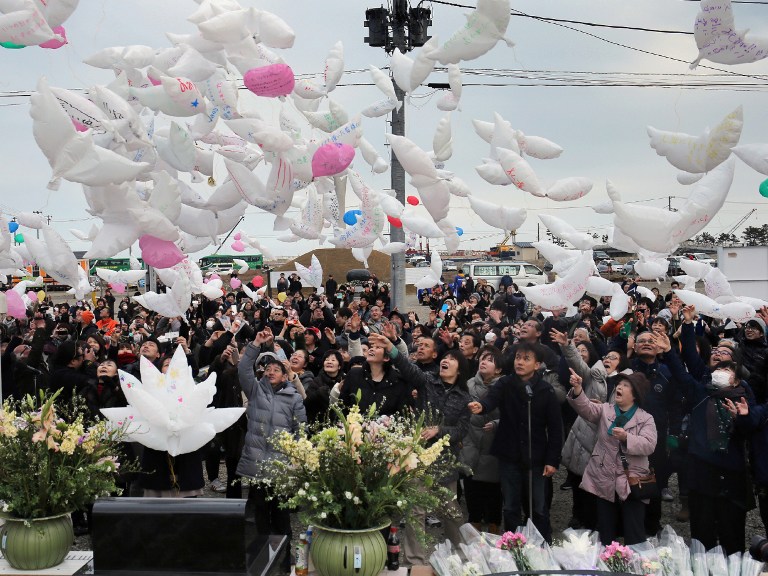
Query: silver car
(629, 267)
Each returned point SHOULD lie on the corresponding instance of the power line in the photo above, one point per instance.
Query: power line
(593, 24)
(619, 44)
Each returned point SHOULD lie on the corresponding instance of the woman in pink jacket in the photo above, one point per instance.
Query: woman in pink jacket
(621, 425)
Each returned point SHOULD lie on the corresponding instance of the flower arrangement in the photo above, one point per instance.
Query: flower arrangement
(616, 557)
(49, 466)
(515, 542)
(360, 472)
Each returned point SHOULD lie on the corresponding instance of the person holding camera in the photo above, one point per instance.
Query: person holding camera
(626, 436)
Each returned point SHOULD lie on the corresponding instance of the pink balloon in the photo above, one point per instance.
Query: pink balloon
(117, 287)
(270, 81)
(238, 246)
(235, 283)
(215, 277)
(32, 295)
(154, 81)
(331, 159)
(55, 43)
(16, 307)
(237, 236)
(159, 253)
(258, 281)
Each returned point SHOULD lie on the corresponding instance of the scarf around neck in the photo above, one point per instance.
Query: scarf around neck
(718, 419)
(621, 418)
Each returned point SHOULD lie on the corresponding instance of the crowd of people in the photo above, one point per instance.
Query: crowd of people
(519, 390)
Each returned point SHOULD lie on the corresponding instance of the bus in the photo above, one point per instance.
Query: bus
(255, 261)
(116, 264)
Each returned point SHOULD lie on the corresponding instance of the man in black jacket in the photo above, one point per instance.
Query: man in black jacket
(528, 463)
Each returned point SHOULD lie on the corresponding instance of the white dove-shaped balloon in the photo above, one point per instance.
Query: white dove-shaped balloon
(170, 412)
(312, 275)
(719, 41)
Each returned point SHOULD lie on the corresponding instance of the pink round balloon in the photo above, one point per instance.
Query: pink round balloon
(159, 253)
(118, 287)
(238, 246)
(55, 43)
(16, 307)
(154, 81)
(235, 283)
(215, 277)
(32, 295)
(270, 81)
(237, 236)
(331, 159)
(258, 281)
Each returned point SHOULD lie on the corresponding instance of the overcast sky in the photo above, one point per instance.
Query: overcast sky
(601, 128)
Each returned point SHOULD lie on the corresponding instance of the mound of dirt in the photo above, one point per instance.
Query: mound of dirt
(338, 261)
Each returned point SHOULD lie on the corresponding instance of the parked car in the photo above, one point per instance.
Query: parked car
(423, 264)
(629, 267)
(522, 273)
(610, 267)
(599, 255)
(701, 257)
(674, 266)
(449, 265)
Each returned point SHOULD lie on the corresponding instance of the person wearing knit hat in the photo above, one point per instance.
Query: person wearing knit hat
(626, 432)
(85, 326)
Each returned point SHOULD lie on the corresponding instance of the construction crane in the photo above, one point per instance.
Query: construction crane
(740, 222)
(503, 249)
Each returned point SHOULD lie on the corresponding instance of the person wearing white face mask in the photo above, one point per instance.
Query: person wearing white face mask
(717, 473)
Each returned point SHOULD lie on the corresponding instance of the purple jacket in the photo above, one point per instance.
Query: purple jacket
(604, 476)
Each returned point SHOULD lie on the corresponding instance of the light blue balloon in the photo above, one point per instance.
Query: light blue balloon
(459, 231)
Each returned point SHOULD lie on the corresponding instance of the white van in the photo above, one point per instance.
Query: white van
(522, 273)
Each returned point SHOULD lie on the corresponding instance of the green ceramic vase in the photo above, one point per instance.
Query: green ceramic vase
(337, 552)
(38, 543)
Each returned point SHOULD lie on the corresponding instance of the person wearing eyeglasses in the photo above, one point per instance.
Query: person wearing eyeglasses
(717, 473)
(754, 355)
(663, 402)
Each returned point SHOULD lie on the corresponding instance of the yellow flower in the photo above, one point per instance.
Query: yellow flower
(68, 446)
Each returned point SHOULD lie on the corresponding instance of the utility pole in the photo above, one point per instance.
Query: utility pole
(403, 29)
(47, 219)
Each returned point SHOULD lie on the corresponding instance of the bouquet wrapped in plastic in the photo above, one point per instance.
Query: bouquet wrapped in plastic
(699, 559)
(750, 566)
(537, 550)
(673, 553)
(717, 562)
(618, 558)
(445, 561)
(578, 549)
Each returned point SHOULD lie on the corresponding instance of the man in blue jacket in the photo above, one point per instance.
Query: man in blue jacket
(523, 456)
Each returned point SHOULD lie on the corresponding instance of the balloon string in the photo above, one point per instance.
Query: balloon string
(677, 113)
